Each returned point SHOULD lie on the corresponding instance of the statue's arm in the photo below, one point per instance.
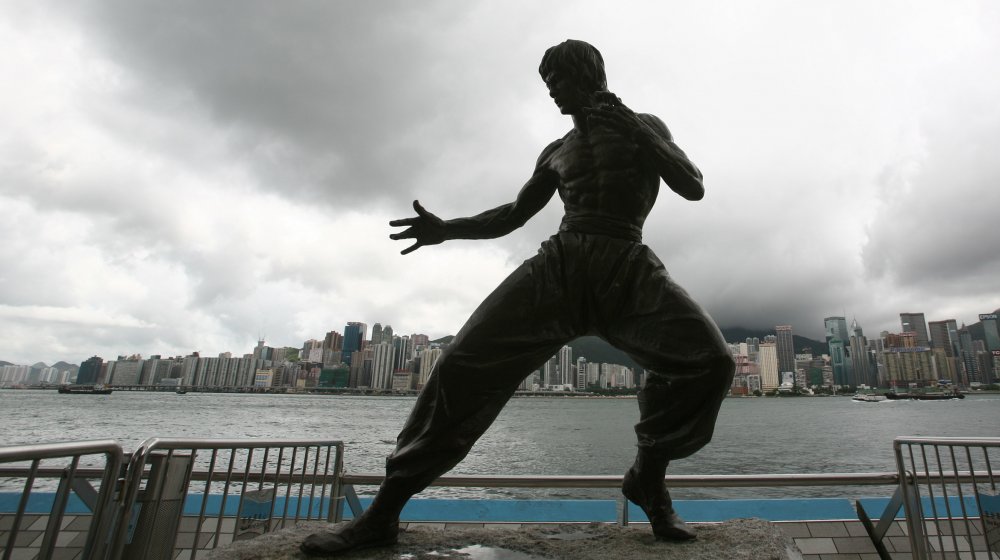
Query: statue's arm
(673, 165)
(428, 229)
(500, 221)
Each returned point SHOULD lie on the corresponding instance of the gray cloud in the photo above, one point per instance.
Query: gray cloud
(215, 171)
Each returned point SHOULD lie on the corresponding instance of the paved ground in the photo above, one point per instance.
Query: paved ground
(743, 539)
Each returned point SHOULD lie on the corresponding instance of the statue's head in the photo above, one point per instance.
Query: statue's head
(577, 59)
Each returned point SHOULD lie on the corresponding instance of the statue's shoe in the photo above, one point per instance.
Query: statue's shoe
(346, 537)
(656, 504)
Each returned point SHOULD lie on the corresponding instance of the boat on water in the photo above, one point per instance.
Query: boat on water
(925, 396)
(84, 390)
(869, 397)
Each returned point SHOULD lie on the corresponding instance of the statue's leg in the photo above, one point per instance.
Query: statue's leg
(513, 332)
(689, 370)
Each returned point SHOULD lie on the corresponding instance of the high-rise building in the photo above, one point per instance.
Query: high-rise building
(968, 355)
(837, 340)
(402, 351)
(354, 338)
(839, 363)
(90, 371)
(944, 335)
(991, 330)
(382, 365)
(428, 358)
(836, 328)
(333, 341)
(785, 348)
(768, 363)
(911, 365)
(915, 323)
(567, 368)
(377, 333)
(420, 340)
(552, 375)
(862, 368)
(753, 346)
(581, 374)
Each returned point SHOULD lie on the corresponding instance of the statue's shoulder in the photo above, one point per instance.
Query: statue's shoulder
(551, 150)
(654, 122)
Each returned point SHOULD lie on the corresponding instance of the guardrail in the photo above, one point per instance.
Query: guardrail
(944, 504)
(264, 483)
(260, 485)
(296, 468)
(72, 479)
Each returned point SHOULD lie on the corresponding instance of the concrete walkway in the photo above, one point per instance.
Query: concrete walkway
(742, 539)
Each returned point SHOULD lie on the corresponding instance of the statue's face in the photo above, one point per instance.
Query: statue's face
(568, 94)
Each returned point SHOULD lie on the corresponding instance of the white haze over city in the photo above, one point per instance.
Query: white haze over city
(189, 176)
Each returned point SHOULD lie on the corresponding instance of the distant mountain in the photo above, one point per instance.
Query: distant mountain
(3, 363)
(63, 366)
(39, 365)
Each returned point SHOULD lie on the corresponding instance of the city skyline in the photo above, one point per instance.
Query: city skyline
(215, 180)
(355, 333)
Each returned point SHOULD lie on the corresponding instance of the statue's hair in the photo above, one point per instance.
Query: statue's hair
(579, 59)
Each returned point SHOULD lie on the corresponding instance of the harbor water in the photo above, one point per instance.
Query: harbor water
(533, 435)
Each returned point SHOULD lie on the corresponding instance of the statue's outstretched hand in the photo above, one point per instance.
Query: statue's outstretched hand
(426, 229)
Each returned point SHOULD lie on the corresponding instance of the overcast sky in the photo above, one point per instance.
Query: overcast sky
(186, 176)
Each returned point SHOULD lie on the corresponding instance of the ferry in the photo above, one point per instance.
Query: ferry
(84, 390)
(925, 396)
(868, 397)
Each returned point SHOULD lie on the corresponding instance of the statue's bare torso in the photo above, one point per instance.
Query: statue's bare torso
(601, 174)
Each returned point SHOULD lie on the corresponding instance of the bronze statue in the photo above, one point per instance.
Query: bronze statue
(594, 277)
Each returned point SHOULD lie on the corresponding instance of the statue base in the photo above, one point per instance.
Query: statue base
(743, 539)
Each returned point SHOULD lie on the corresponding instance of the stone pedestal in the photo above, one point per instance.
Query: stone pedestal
(741, 539)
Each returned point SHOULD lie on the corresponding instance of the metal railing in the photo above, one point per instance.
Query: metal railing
(136, 513)
(235, 489)
(73, 479)
(271, 482)
(950, 496)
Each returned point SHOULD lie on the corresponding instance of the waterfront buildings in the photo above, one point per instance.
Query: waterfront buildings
(921, 354)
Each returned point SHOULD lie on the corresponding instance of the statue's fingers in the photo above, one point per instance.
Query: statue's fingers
(411, 248)
(419, 209)
(404, 222)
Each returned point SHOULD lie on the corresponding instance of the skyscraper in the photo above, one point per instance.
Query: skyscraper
(862, 369)
(354, 337)
(915, 323)
(382, 365)
(333, 341)
(377, 333)
(991, 330)
(768, 362)
(944, 335)
(89, 371)
(567, 368)
(785, 348)
(402, 351)
(836, 327)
